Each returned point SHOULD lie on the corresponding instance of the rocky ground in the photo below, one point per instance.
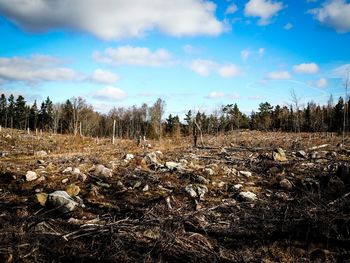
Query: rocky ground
(246, 197)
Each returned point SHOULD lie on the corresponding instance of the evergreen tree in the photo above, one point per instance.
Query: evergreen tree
(3, 110)
(20, 111)
(33, 116)
(10, 111)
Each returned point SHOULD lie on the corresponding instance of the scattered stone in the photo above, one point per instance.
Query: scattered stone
(62, 201)
(286, 184)
(145, 188)
(83, 177)
(73, 190)
(40, 162)
(76, 171)
(137, 184)
(301, 154)
(41, 153)
(151, 158)
(67, 170)
(221, 184)
(237, 186)
(41, 179)
(65, 180)
(229, 171)
(278, 155)
(128, 157)
(31, 176)
(200, 179)
(103, 171)
(245, 173)
(173, 166)
(196, 190)
(41, 198)
(248, 196)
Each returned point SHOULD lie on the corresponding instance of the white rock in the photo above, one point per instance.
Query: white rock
(64, 181)
(103, 171)
(67, 170)
(248, 196)
(145, 188)
(209, 171)
(221, 184)
(62, 201)
(173, 166)
(245, 173)
(237, 186)
(31, 176)
(41, 153)
(128, 157)
(76, 171)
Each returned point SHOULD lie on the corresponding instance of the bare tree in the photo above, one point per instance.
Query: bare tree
(295, 103)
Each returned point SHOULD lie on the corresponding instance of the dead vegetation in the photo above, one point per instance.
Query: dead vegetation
(229, 201)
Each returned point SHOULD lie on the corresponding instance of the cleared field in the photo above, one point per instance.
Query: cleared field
(238, 199)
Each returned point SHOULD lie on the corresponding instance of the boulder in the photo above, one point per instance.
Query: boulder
(31, 176)
(101, 170)
(62, 201)
(248, 196)
(278, 155)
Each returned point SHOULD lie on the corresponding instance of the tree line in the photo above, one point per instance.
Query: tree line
(76, 116)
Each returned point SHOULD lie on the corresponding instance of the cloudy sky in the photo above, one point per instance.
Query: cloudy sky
(195, 54)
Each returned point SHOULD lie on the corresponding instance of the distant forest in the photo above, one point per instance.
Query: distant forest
(76, 116)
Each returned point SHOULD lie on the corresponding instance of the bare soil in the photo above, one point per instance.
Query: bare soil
(143, 213)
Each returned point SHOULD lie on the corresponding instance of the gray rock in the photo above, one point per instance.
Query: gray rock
(31, 176)
(41, 153)
(196, 190)
(101, 170)
(62, 201)
(278, 155)
(67, 170)
(248, 196)
(200, 179)
(209, 171)
(286, 184)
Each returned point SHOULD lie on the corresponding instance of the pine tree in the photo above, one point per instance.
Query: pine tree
(3, 110)
(33, 116)
(20, 111)
(10, 111)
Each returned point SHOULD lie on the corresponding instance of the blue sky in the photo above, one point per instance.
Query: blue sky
(195, 54)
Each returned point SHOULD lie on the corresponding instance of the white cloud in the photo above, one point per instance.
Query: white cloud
(246, 53)
(116, 19)
(279, 75)
(37, 68)
(322, 83)
(104, 76)
(288, 26)
(334, 13)
(264, 9)
(231, 9)
(204, 68)
(110, 93)
(189, 49)
(216, 95)
(229, 71)
(306, 68)
(135, 56)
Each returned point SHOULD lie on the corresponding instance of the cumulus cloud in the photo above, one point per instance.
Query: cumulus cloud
(104, 76)
(279, 75)
(110, 93)
(37, 68)
(134, 56)
(306, 68)
(116, 19)
(288, 26)
(204, 68)
(322, 83)
(335, 14)
(264, 9)
(231, 9)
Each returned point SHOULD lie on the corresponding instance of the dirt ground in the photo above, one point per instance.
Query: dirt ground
(232, 200)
